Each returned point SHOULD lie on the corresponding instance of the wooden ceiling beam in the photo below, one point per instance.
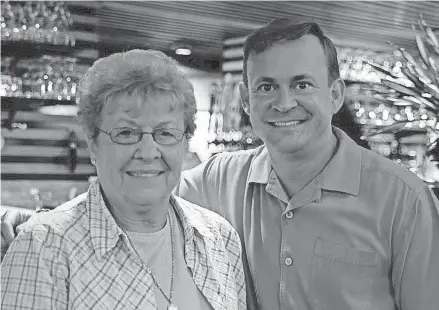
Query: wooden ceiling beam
(311, 11)
(323, 15)
(161, 27)
(225, 22)
(156, 43)
(85, 20)
(149, 21)
(373, 20)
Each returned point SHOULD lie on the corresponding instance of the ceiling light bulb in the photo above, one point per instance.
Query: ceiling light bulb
(183, 51)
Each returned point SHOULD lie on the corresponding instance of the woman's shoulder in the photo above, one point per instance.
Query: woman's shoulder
(63, 222)
(195, 211)
(211, 226)
(202, 219)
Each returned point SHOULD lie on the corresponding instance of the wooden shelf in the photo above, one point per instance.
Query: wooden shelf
(45, 171)
(34, 119)
(42, 136)
(23, 103)
(28, 49)
(41, 154)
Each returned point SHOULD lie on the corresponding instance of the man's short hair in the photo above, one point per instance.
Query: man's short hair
(284, 29)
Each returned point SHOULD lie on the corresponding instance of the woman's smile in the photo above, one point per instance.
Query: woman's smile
(145, 174)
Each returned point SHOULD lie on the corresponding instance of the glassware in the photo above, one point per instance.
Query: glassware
(37, 21)
(47, 77)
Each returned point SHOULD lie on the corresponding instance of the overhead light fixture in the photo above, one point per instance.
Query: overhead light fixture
(183, 51)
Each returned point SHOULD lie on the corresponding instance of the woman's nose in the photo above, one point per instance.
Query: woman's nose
(147, 149)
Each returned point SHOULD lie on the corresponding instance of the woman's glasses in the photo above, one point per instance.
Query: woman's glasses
(126, 135)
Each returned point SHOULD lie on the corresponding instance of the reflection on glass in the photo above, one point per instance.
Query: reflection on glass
(47, 77)
(36, 21)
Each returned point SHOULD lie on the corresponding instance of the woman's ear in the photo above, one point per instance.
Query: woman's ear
(92, 148)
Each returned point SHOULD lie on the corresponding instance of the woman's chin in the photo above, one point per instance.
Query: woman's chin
(146, 198)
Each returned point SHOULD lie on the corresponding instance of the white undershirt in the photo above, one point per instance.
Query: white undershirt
(155, 250)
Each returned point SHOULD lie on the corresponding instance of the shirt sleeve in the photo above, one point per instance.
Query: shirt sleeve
(240, 282)
(415, 273)
(31, 276)
(234, 249)
(198, 185)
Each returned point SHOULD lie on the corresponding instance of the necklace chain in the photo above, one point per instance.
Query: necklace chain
(168, 299)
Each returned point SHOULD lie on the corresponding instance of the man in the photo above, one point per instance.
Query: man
(324, 223)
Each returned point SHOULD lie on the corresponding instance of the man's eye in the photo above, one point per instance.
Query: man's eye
(266, 87)
(303, 85)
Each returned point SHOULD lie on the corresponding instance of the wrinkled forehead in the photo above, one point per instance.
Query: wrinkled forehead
(135, 103)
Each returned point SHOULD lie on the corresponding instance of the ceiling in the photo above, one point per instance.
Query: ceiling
(204, 25)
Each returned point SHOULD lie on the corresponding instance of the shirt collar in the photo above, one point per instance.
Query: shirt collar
(190, 221)
(342, 173)
(104, 230)
(260, 167)
(195, 230)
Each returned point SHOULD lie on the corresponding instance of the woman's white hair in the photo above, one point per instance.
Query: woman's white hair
(137, 71)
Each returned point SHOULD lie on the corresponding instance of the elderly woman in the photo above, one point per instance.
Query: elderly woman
(128, 243)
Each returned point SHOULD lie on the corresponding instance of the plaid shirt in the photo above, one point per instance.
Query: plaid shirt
(77, 257)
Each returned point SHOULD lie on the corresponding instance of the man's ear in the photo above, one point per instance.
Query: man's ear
(338, 90)
(243, 94)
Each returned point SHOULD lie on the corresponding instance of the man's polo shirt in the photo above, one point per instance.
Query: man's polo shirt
(364, 234)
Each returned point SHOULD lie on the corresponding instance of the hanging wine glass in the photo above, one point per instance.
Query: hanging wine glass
(41, 17)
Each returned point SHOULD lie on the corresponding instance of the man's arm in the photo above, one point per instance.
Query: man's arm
(415, 274)
(31, 276)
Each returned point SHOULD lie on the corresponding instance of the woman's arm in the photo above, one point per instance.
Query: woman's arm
(238, 270)
(32, 276)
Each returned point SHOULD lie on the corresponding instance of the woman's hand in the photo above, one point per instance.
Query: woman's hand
(10, 221)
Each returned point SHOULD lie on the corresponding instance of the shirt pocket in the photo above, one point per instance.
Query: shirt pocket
(342, 277)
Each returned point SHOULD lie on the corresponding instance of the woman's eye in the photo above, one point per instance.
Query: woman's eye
(166, 134)
(125, 133)
(266, 88)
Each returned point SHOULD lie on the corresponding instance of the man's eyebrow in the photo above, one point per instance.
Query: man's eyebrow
(295, 78)
(264, 79)
(300, 77)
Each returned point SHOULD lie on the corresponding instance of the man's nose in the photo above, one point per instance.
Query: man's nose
(147, 149)
(285, 101)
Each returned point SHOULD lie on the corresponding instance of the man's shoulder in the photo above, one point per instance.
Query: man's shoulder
(237, 157)
(223, 167)
(376, 167)
(229, 161)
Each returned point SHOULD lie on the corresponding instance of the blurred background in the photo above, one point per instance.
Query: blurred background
(388, 54)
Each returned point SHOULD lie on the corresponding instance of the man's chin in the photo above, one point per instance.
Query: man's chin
(286, 144)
